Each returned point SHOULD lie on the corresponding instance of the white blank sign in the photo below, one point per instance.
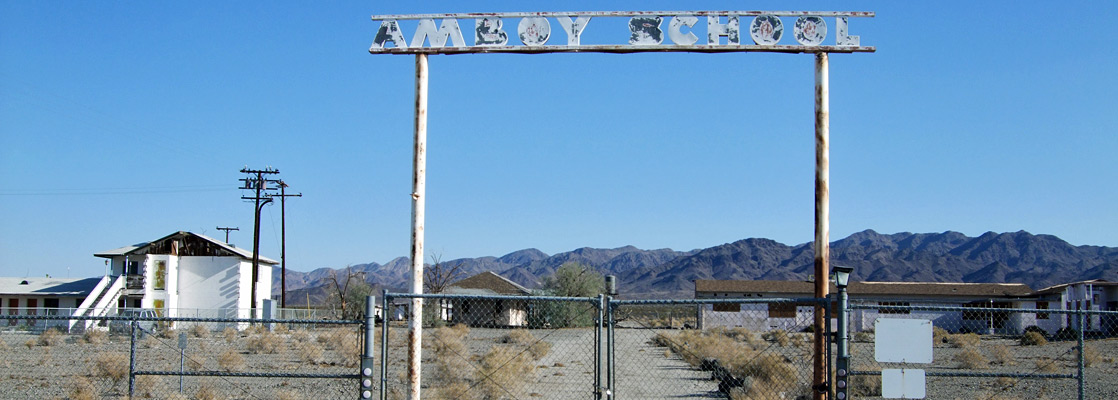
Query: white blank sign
(902, 383)
(903, 340)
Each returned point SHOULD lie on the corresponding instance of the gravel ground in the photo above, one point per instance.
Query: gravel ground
(643, 371)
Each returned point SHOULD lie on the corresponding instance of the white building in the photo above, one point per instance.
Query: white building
(183, 274)
(42, 296)
(797, 316)
(1093, 295)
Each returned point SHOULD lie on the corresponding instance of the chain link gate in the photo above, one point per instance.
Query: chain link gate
(495, 347)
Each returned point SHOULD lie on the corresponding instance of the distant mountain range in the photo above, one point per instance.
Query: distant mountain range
(1019, 257)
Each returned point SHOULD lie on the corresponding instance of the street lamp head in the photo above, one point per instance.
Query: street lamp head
(842, 275)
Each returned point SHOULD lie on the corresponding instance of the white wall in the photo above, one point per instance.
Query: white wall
(209, 282)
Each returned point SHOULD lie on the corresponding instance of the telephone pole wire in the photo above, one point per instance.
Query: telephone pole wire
(283, 241)
(259, 184)
(227, 232)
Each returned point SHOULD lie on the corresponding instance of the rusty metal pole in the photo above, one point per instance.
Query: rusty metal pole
(419, 188)
(822, 218)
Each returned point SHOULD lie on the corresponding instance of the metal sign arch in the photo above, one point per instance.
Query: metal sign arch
(649, 31)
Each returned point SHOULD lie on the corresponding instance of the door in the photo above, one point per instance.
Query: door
(32, 309)
(13, 309)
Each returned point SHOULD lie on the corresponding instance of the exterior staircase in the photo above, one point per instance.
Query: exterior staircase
(101, 299)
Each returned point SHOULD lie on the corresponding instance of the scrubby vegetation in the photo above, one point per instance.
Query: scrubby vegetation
(739, 352)
(1033, 339)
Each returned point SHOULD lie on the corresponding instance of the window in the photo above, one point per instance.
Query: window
(782, 310)
(893, 310)
(160, 275)
(1042, 305)
(727, 307)
(51, 306)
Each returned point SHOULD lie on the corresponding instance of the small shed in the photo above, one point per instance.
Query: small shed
(482, 312)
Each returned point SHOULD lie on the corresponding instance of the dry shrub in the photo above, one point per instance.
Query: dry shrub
(1033, 339)
(348, 351)
(310, 353)
(231, 361)
(865, 385)
(112, 367)
(1005, 382)
(287, 394)
(1002, 355)
(256, 329)
(962, 340)
(301, 336)
(1091, 357)
(149, 342)
(537, 348)
(779, 336)
(199, 331)
(337, 338)
(80, 388)
(939, 335)
(264, 342)
(3, 344)
(148, 386)
(168, 333)
(230, 334)
(867, 337)
(194, 364)
(771, 369)
(1047, 365)
(280, 329)
(206, 391)
(93, 336)
(451, 355)
(29, 343)
(503, 369)
(971, 358)
(50, 337)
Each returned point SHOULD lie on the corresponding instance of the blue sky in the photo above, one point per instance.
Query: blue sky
(121, 122)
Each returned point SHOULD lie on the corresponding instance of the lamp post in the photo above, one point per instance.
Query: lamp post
(842, 370)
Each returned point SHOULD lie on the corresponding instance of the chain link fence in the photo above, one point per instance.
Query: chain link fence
(738, 349)
(496, 347)
(178, 358)
(988, 352)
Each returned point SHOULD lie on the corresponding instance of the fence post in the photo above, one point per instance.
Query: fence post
(385, 315)
(611, 391)
(1081, 314)
(132, 360)
(598, 346)
(370, 343)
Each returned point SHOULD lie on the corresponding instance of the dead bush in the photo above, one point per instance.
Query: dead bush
(264, 342)
(230, 334)
(348, 351)
(301, 336)
(149, 386)
(112, 367)
(206, 391)
(50, 337)
(195, 364)
(280, 329)
(310, 353)
(971, 358)
(168, 333)
(1047, 365)
(939, 335)
(1033, 339)
(93, 336)
(1002, 355)
(771, 369)
(451, 355)
(522, 337)
(199, 331)
(231, 361)
(865, 385)
(503, 369)
(1091, 357)
(962, 340)
(779, 336)
(80, 388)
(867, 337)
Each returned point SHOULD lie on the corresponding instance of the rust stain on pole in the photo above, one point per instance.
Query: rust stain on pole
(419, 188)
(822, 215)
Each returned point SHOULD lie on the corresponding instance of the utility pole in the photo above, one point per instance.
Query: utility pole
(260, 184)
(283, 242)
(227, 232)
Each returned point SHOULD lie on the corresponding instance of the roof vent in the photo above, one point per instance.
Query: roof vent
(24, 283)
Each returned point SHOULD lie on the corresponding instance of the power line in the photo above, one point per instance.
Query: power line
(259, 185)
(115, 191)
